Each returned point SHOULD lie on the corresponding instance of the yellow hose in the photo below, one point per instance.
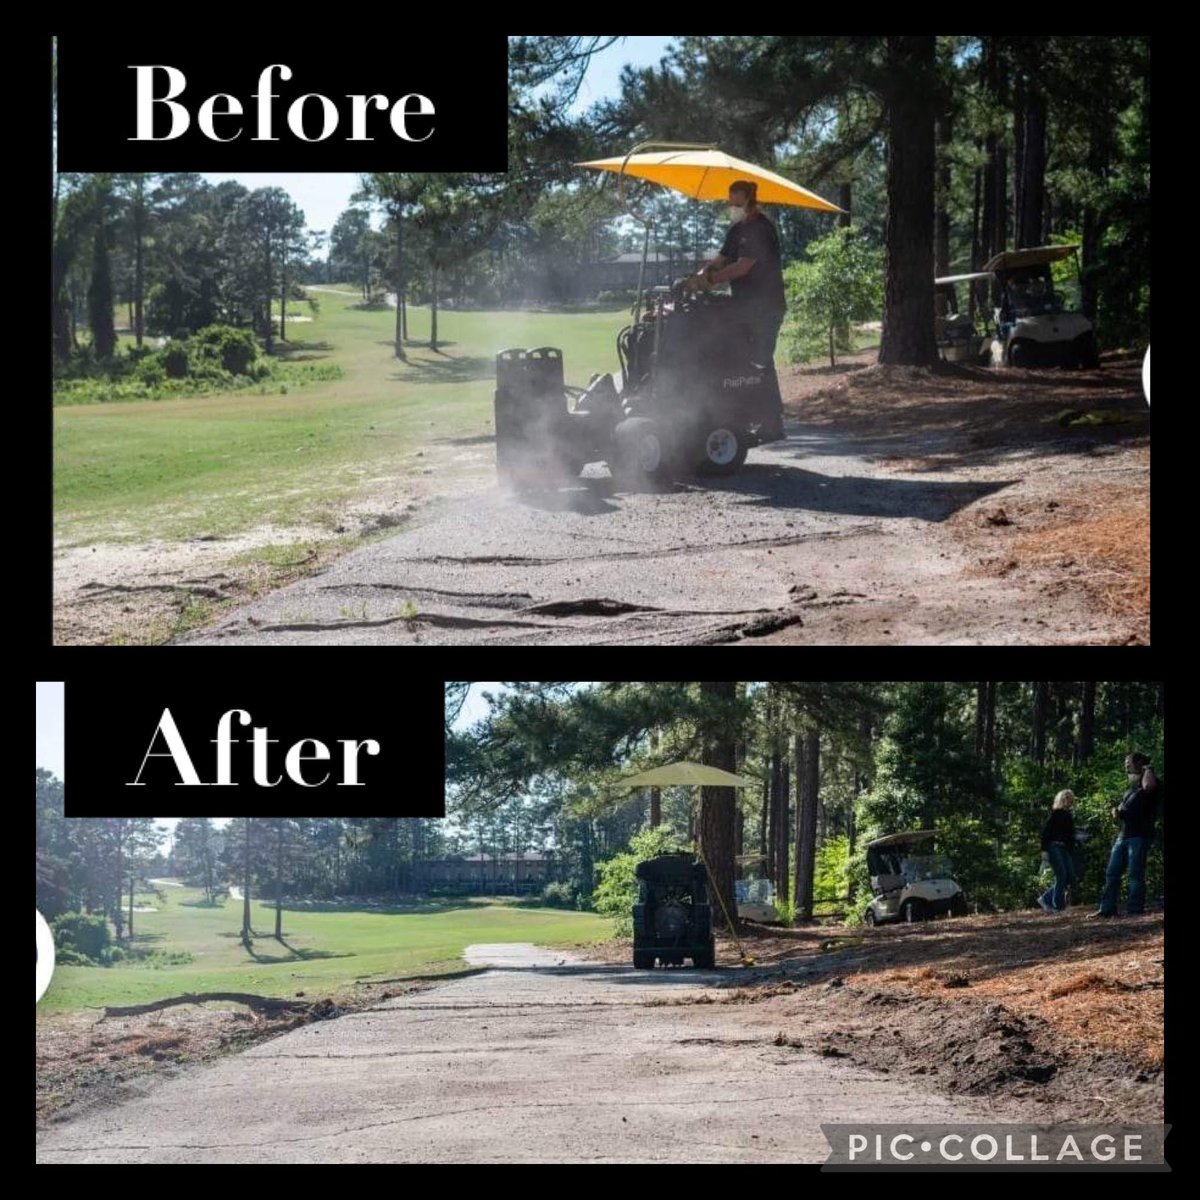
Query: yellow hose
(747, 961)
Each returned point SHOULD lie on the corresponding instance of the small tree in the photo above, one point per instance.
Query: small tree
(617, 890)
(842, 282)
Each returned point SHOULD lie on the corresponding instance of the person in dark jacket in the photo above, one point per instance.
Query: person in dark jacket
(1058, 840)
(1136, 813)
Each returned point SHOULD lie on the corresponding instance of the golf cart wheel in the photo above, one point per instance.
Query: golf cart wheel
(869, 918)
(641, 451)
(723, 450)
(643, 960)
(958, 906)
(1087, 353)
(704, 960)
(1021, 354)
(912, 910)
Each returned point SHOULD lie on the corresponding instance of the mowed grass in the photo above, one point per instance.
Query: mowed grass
(220, 464)
(323, 952)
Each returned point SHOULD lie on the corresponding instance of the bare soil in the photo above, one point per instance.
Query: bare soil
(1062, 1011)
(85, 1058)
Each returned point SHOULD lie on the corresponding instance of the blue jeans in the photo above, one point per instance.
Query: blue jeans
(1126, 852)
(1064, 875)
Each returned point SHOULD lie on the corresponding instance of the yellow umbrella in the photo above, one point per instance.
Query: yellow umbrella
(706, 173)
(686, 774)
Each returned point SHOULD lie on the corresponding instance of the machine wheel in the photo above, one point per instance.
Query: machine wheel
(1087, 353)
(723, 450)
(912, 910)
(869, 918)
(641, 451)
(705, 960)
(1020, 354)
(643, 960)
(958, 906)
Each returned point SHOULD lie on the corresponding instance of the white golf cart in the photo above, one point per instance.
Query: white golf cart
(1033, 326)
(910, 881)
(958, 338)
(755, 894)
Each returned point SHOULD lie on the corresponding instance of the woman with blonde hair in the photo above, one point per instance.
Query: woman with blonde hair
(1058, 839)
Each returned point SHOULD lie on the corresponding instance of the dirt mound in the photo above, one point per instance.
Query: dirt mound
(976, 1049)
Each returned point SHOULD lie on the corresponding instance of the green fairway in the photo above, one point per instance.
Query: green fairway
(223, 463)
(323, 952)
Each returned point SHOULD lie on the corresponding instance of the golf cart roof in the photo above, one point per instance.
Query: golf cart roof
(900, 839)
(1033, 257)
(963, 278)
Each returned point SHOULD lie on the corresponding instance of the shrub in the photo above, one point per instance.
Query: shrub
(233, 349)
(151, 371)
(616, 892)
(559, 895)
(175, 360)
(85, 935)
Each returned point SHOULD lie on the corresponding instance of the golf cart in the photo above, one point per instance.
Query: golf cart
(958, 339)
(1033, 326)
(672, 919)
(910, 881)
(755, 895)
(689, 396)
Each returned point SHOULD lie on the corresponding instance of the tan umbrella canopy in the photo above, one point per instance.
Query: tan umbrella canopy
(687, 774)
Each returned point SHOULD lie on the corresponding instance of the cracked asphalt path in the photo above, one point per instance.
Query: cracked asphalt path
(538, 1059)
(810, 534)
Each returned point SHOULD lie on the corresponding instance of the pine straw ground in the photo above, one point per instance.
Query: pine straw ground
(1078, 442)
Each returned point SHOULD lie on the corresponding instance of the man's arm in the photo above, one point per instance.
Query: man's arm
(732, 271)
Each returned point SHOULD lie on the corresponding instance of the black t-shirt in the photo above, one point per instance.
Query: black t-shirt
(1136, 811)
(762, 286)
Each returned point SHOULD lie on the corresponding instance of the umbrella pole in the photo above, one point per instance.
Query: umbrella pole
(637, 304)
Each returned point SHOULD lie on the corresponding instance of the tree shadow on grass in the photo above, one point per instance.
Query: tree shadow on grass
(389, 908)
(294, 953)
(483, 439)
(452, 370)
(301, 351)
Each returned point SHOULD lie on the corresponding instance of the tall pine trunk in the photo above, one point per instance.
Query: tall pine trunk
(139, 266)
(400, 331)
(809, 764)
(433, 308)
(246, 883)
(908, 336)
(718, 805)
(279, 882)
(941, 237)
(1085, 738)
(1041, 714)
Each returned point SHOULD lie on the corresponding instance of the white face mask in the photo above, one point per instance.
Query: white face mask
(736, 213)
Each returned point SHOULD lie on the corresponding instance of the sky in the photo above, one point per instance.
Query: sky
(476, 706)
(50, 743)
(324, 197)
